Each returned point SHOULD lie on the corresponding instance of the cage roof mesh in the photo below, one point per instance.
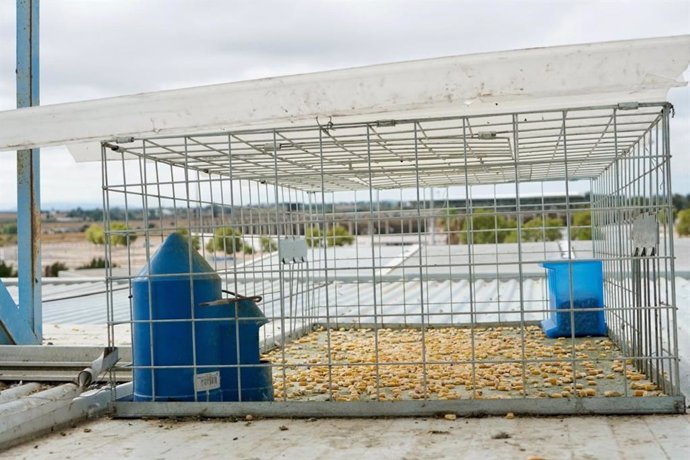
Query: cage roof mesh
(577, 144)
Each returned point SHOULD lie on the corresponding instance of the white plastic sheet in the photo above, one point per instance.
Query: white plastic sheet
(524, 80)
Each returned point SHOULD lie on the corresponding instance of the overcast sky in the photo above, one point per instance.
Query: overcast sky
(98, 48)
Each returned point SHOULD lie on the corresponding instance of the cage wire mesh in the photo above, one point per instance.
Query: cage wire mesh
(402, 260)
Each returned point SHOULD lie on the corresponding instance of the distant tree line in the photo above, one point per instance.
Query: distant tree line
(122, 237)
(90, 215)
(507, 204)
(9, 229)
(7, 270)
(680, 202)
(683, 222)
(488, 227)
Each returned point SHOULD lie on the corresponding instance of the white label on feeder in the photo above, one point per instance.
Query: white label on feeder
(207, 381)
(645, 232)
(292, 250)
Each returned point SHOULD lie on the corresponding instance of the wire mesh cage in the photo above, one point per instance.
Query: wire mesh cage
(466, 264)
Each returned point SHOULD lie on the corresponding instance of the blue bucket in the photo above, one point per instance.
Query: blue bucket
(587, 293)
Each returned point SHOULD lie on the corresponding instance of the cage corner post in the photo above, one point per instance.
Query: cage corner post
(22, 324)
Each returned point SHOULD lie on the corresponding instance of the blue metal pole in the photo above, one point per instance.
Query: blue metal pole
(28, 173)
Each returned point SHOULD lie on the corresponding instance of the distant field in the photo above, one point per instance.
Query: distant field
(74, 251)
(63, 237)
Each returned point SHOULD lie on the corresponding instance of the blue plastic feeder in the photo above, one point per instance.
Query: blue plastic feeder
(256, 380)
(587, 293)
(172, 289)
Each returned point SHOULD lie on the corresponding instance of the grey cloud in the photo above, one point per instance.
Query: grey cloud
(92, 49)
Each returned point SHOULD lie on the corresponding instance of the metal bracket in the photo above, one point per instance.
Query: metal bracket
(628, 106)
(292, 250)
(14, 327)
(645, 233)
(487, 135)
(107, 360)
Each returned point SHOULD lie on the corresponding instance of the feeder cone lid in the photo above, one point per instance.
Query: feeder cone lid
(174, 257)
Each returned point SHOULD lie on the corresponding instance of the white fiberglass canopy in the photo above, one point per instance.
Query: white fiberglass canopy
(538, 79)
(532, 80)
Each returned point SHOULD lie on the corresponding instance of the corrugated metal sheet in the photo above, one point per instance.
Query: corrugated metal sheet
(85, 303)
(398, 298)
(446, 293)
(79, 301)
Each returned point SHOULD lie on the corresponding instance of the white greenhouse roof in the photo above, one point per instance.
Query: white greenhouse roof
(536, 79)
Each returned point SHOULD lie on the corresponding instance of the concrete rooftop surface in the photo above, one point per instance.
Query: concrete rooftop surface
(605, 437)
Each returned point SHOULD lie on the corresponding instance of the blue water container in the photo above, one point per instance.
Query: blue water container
(587, 292)
(177, 291)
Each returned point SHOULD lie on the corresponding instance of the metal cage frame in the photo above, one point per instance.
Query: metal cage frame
(300, 183)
